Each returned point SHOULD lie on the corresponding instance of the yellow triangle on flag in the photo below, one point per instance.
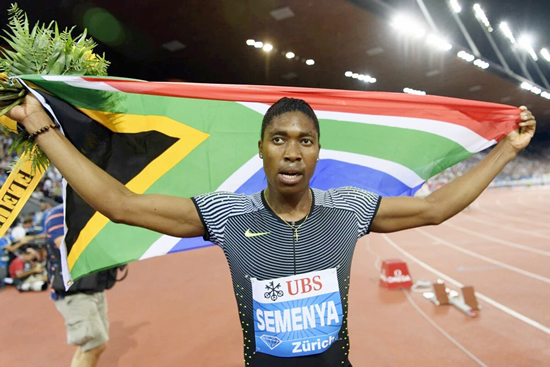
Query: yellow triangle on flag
(188, 139)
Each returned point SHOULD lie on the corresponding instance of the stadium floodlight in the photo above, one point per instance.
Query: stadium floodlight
(414, 91)
(526, 86)
(481, 64)
(267, 47)
(438, 42)
(544, 53)
(367, 79)
(507, 32)
(526, 43)
(455, 6)
(310, 62)
(290, 55)
(363, 77)
(258, 44)
(250, 42)
(465, 56)
(536, 90)
(408, 26)
(480, 14)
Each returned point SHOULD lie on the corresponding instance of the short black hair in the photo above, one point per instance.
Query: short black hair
(285, 105)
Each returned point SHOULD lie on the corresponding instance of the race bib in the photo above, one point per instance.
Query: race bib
(299, 315)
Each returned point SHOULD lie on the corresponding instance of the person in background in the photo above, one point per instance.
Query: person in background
(40, 216)
(84, 305)
(27, 273)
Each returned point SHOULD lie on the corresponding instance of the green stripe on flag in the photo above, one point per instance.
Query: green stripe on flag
(393, 144)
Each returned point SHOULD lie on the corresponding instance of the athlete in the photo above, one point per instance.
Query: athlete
(289, 247)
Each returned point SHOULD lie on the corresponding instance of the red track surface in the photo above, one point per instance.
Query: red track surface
(179, 310)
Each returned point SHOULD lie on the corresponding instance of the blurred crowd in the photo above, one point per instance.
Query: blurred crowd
(49, 187)
(529, 167)
(23, 253)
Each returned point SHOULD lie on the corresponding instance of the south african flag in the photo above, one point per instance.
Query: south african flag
(185, 139)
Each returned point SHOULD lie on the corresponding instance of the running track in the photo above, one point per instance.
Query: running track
(179, 310)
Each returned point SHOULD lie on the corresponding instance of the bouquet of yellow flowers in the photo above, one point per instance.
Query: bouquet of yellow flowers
(41, 50)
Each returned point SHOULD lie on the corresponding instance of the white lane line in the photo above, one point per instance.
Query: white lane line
(493, 213)
(443, 332)
(481, 296)
(496, 240)
(532, 205)
(522, 205)
(500, 226)
(485, 258)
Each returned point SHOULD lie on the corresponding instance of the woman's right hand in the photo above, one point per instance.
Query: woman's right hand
(30, 114)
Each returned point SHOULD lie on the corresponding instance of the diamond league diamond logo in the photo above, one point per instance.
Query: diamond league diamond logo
(271, 341)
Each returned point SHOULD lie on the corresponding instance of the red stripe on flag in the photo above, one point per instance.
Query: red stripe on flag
(489, 120)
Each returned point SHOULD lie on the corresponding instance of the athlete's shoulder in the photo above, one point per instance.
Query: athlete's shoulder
(220, 199)
(350, 191)
(343, 196)
(219, 196)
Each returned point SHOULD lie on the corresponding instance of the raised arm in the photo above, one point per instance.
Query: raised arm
(166, 214)
(398, 213)
(23, 241)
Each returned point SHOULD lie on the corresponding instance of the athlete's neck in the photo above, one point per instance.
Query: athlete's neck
(289, 207)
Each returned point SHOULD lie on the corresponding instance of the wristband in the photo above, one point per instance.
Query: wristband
(43, 129)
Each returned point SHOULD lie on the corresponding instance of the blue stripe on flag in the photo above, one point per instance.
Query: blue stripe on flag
(332, 173)
(328, 174)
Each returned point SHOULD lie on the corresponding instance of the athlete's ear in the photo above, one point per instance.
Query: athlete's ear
(319, 153)
(260, 149)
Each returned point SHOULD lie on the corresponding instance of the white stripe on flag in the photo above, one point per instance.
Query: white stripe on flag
(402, 173)
(165, 243)
(78, 82)
(461, 135)
(160, 247)
(243, 174)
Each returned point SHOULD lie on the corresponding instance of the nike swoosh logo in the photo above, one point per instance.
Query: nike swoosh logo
(252, 234)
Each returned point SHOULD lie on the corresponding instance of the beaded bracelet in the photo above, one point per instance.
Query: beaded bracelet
(43, 129)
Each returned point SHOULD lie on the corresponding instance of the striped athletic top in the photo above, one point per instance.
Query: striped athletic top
(291, 293)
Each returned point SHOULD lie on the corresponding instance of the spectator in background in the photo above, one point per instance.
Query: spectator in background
(18, 231)
(40, 216)
(84, 305)
(3, 175)
(4, 259)
(27, 273)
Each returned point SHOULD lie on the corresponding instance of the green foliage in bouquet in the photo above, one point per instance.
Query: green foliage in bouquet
(42, 50)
